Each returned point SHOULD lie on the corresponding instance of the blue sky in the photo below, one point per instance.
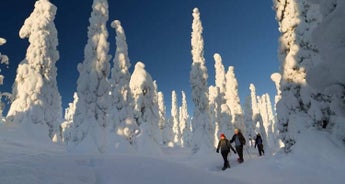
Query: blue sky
(158, 32)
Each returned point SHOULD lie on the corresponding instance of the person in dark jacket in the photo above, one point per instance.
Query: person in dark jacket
(259, 144)
(240, 141)
(225, 146)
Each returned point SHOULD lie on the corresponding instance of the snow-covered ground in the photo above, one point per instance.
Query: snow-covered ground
(24, 160)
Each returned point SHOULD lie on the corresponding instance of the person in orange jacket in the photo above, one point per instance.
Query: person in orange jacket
(224, 146)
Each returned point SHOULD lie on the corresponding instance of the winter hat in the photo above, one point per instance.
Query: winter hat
(222, 135)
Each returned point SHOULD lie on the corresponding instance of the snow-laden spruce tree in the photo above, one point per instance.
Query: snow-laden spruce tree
(36, 99)
(3, 61)
(67, 125)
(122, 120)
(300, 106)
(202, 134)
(253, 116)
(175, 119)
(265, 127)
(162, 117)
(225, 120)
(158, 136)
(145, 110)
(233, 100)
(167, 132)
(255, 111)
(220, 73)
(215, 102)
(90, 121)
(328, 76)
(248, 120)
(225, 125)
(271, 127)
(185, 122)
(276, 78)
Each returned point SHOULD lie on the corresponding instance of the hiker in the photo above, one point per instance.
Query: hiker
(259, 144)
(225, 146)
(240, 141)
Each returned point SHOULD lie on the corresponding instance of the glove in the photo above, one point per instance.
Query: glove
(217, 151)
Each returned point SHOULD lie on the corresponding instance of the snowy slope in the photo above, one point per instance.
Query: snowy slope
(25, 160)
(314, 160)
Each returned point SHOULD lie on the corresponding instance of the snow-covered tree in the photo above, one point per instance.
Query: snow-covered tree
(90, 120)
(276, 78)
(122, 120)
(255, 111)
(224, 113)
(146, 111)
(162, 118)
(220, 73)
(35, 93)
(175, 119)
(233, 99)
(215, 102)
(202, 136)
(5, 61)
(158, 136)
(265, 126)
(327, 75)
(271, 130)
(253, 119)
(167, 132)
(225, 119)
(300, 106)
(185, 122)
(292, 78)
(248, 120)
(67, 125)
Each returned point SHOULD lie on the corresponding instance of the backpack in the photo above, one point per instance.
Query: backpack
(259, 141)
(242, 139)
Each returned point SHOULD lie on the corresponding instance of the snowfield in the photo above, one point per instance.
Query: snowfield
(26, 160)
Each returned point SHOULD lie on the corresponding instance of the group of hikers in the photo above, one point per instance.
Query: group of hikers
(224, 146)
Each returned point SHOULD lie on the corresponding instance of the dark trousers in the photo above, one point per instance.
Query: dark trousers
(239, 150)
(261, 149)
(225, 158)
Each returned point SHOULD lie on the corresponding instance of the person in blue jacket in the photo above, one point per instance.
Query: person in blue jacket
(240, 141)
(259, 144)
